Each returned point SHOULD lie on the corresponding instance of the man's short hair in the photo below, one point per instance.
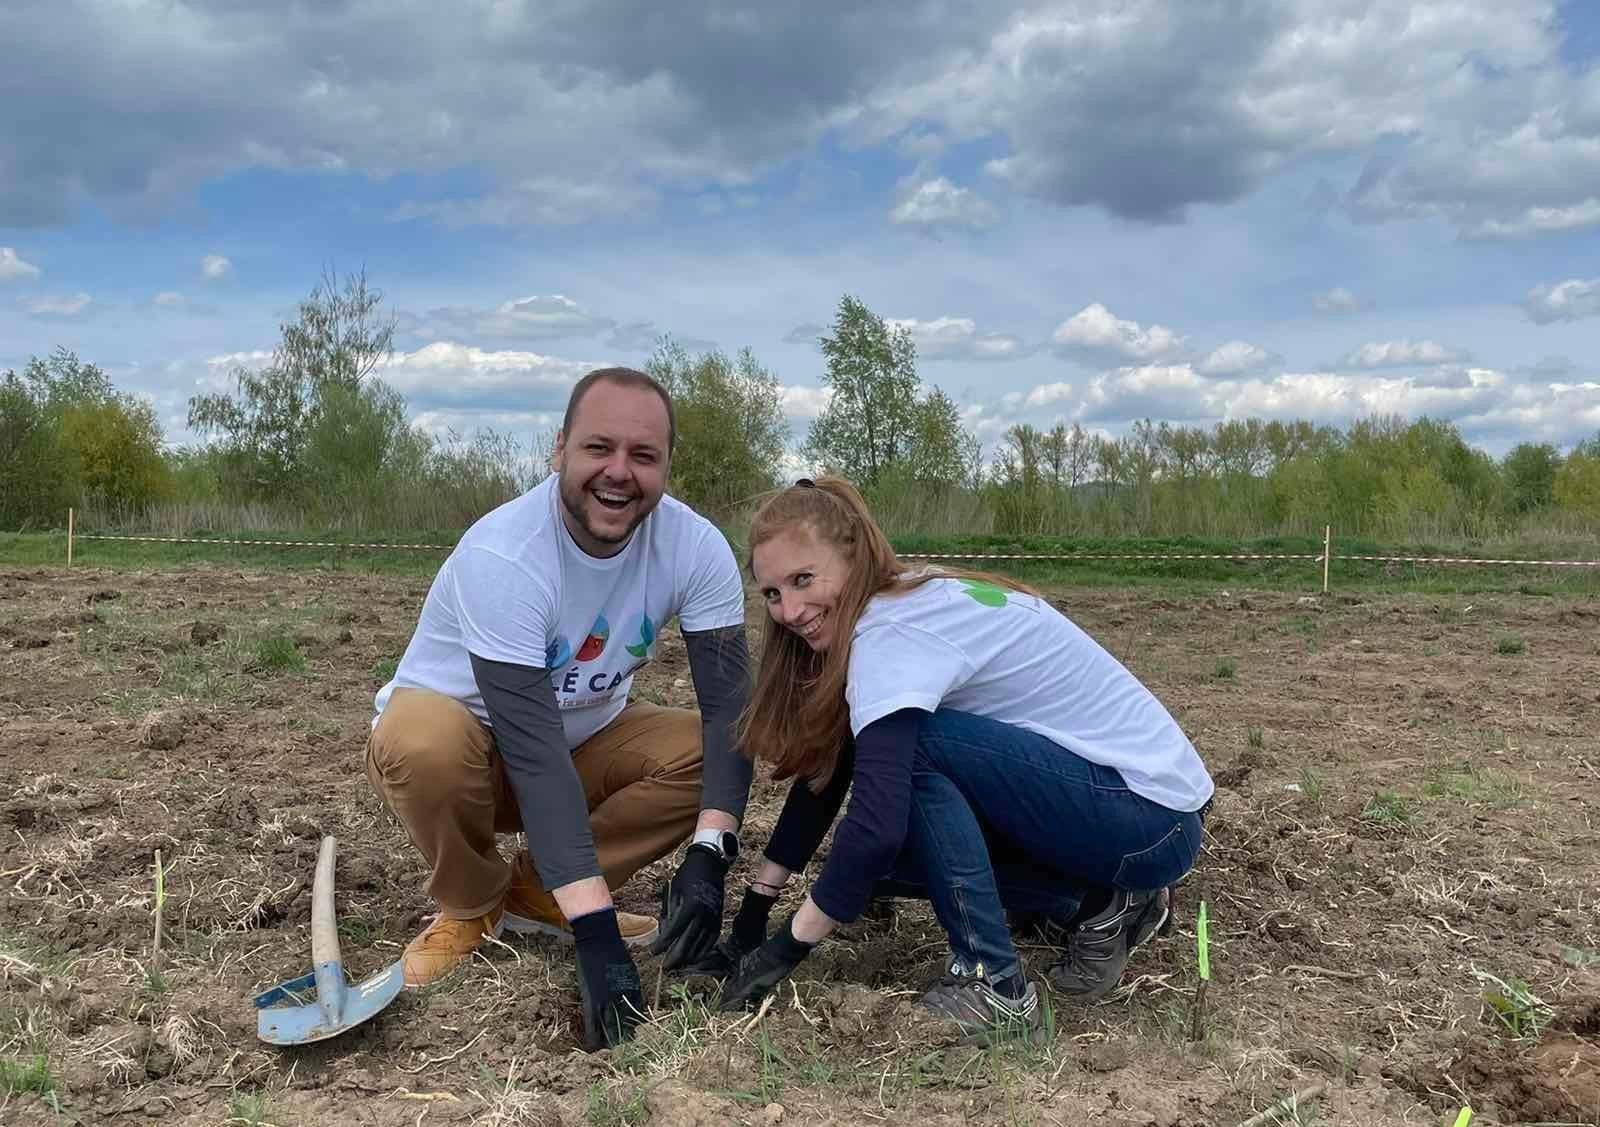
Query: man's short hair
(625, 377)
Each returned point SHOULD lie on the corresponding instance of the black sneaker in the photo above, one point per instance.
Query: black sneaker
(984, 1016)
(1098, 948)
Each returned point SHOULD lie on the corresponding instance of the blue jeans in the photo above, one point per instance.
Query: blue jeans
(1002, 818)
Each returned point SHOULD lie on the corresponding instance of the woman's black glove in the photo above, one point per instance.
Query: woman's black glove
(763, 968)
(748, 932)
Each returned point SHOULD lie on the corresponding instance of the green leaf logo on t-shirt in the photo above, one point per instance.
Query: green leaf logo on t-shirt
(985, 593)
(647, 634)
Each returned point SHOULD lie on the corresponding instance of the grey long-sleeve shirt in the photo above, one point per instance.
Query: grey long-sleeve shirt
(522, 708)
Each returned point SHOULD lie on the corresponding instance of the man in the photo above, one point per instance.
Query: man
(509, 711)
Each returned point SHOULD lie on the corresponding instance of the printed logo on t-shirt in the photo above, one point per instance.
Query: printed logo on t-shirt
(984, 593)
(647, 635)
(595, 644)
(557, 654)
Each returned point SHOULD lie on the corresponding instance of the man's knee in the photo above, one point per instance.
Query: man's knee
(426, 743)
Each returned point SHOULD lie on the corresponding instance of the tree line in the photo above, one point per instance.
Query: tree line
(316, 438)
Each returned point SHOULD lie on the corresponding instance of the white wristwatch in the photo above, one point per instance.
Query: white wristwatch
(724, 843)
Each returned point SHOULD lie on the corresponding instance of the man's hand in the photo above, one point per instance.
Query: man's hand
(691, 909)
(763, 968)
(749, 931)
(608, 982)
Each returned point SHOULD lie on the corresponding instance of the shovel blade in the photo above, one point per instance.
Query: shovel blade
(329, 1016)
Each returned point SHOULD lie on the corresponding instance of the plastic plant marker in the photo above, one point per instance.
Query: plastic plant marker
(1202, 943)
(1464, 1118)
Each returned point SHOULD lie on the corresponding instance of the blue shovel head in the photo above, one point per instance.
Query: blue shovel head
(322, 1005)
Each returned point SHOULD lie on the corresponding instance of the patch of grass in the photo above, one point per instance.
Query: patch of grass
(1387, 808)
(1514, 1006)
(1472, 784)
(1311, 784)
(1255, 739)
(277, 653)
(1225, 669)
(1510, 644)
(383, 671)
(28, 1073)
(610, 1104)
(1578, 957)
(249, 1108)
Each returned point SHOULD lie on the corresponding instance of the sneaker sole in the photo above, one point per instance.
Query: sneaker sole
(521, 925)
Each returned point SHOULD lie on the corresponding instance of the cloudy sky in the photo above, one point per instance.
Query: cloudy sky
(1094, 210)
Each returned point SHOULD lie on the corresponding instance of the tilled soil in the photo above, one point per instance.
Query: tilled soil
(1401, 873)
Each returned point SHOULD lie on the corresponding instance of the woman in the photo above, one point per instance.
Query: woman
(1000, 761)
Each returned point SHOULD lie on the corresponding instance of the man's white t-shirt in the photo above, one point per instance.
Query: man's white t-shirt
(517, 589)
(1002, 654)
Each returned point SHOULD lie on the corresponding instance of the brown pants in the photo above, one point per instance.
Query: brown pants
(437, 768)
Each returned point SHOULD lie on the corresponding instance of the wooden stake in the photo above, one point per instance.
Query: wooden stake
(1197, 1014)
(69, 537)
(155, 951)
(1327, 554)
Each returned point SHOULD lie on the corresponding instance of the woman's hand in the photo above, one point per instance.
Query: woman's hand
(762, 969)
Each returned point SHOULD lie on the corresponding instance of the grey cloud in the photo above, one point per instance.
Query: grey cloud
(622, 98)
(572, 110)
(1570, 300)
(808, 333)
(643, 336)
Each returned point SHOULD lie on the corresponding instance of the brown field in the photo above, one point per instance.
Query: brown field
(1407, 802)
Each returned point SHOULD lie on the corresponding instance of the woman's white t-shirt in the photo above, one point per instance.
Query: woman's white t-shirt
(1009, 656)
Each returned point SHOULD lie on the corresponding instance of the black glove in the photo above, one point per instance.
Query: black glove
(691, 909)
(763, 968)
(608, 982)
(748, 932)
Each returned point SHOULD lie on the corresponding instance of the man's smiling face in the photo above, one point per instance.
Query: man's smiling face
(613, 464)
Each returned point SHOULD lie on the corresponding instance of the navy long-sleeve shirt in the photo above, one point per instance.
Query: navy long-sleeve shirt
(876, 769)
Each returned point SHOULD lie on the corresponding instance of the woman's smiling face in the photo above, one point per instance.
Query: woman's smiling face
(800, 577)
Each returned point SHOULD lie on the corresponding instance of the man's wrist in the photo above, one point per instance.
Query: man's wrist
(723, 843)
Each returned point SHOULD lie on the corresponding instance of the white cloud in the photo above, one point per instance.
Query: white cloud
(1401, 354)
(1237, 357)
(168, 299)
(1540, 221)
(1570, 300)
(939, 203)
(1336, 300)
(13, 268)
(1045, 394)
(1094, 332)
(803, 402)
(957, 338)
(527, 318)
(445, 372)
(214, 267)
(59, 306)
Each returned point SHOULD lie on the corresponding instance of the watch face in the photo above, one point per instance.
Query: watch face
(730, 844)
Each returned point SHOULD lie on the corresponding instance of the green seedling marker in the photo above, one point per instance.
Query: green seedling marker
(1202, 949)
(1464, 1118)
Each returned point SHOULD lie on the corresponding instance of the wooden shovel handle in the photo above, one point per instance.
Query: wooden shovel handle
(324, 928)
